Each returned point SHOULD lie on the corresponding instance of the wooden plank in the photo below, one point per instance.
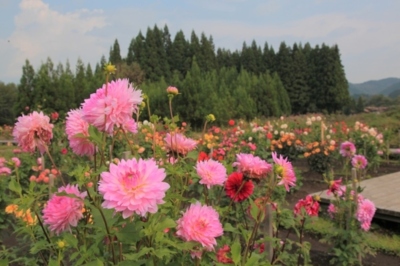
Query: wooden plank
(383, 191)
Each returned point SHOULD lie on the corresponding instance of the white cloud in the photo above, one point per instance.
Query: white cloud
(41, 32)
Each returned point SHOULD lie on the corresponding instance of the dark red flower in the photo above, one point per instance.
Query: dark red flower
(202, 156)
(234, 183)
(231, 122)
(64, 151)
(54, 116)
(222, 256)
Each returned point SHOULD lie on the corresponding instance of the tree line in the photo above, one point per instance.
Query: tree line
(252, 82)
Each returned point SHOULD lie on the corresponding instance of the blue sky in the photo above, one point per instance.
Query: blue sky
(366, 31)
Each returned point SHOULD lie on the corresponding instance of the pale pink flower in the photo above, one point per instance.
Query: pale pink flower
(2, 161)
(365, 212)
(347, 149)
(177, 142)
(112, 105)
(200, 224)
(16, 161)
(211, 173)
(252, 166)
(33, 130)
(332, 210)
(62, 212)
(284, 170)
(172, 90)
(77, 130)
(133, 186)
(5, 170)
(359, 162)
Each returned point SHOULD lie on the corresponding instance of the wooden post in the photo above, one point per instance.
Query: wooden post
(268, 232)
(126, 155)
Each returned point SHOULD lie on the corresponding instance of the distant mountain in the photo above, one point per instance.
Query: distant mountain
(373, 87)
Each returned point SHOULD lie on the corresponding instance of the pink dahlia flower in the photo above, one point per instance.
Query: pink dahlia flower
(211, 173)
(16, 161)
(201, 224)
(365, 213)
(252, 166)
(112, 105)
(309, 204)
(62, 212)
(347, 149)
(33, 130)
(133, 186)
(359, 162)
(335, 187)
(77, 130)
(5, 170)
(177, 142)
(332, 210)
(284, 170)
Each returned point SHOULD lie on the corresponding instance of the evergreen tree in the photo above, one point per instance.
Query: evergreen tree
(8, 97)
(115, 54)
(284, 66)
(283, 96)
(179, 59)
(80, 83)
(267, 59)
(300, 91)
(206, 59)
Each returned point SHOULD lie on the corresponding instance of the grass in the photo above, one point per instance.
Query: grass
(7, 151)
(389, 244)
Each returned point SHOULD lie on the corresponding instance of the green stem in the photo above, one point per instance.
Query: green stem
(106, 225)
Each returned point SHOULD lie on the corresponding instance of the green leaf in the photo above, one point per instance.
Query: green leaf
(135, 256)
(167, 223)
(236, 252)
(4, 262)
(254, 210)
(193, 155)
(38, 246)
(15, 186)
(229, 228)
(131, 233)
(71, 240)
(96, 262)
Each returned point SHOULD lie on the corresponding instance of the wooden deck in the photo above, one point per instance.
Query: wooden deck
(384, 191)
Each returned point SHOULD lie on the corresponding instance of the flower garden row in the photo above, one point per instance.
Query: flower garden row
(108, 189)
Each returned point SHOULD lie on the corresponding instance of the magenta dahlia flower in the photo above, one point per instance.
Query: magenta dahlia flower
(200, 224)
(112, 105)
(284, 170)
(359, 162)
(347, 149)
(365, 212)
(133, 186)
(177, 142)
(62, 212)
(252, 166)
(211, 173)
(77, 130)
(33, 130)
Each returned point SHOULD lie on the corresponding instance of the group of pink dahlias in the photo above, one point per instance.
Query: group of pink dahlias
(348, 150)
(109, 108)
(5, 166)
(365, 209)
